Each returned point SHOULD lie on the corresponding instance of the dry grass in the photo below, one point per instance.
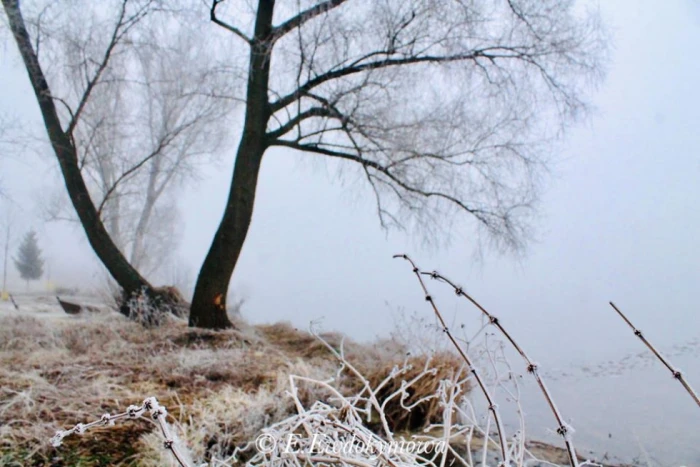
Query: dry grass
(426, 409)
(376, 362)
(219, 387)
(54, 374)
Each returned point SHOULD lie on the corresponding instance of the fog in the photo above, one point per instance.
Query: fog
(618, 221)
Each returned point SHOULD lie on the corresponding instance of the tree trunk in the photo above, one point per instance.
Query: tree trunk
(209, 301)
(137, 247)
(115, 262)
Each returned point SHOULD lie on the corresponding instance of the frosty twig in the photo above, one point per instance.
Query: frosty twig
(674, 371)
(157, 412)
(492, 405)
(563, 429)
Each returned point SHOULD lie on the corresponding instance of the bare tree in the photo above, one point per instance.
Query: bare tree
(126, 113)
(61, 134)
(152, 125)
(442, 107)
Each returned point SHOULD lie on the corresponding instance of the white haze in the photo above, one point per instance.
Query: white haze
(620, 221)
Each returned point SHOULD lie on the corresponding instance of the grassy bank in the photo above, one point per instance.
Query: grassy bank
(221, 389)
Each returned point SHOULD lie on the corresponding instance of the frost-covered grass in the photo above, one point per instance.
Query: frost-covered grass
(223, 389)
(220, 388)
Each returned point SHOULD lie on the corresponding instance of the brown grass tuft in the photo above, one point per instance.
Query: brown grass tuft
(297, 343)
(421, 391)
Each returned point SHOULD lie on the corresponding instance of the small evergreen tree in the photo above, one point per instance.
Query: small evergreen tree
(29, 262)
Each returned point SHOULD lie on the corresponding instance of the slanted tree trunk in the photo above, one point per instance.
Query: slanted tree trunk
(209, 301)
(61, 141)
(137, 248)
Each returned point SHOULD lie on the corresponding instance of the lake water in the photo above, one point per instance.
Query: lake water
(630, 407)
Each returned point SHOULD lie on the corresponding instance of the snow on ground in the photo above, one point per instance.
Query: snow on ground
(41, 305)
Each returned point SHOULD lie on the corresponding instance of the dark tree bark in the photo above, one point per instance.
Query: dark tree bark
(209, 301)
(61, 141)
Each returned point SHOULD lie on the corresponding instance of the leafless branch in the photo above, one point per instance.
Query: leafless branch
(121, 28)
(295, 121)
(482, 215)
(228, 27)
(304, 16)
(373, 65)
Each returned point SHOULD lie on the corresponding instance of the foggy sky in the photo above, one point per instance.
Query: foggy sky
(619, 220)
